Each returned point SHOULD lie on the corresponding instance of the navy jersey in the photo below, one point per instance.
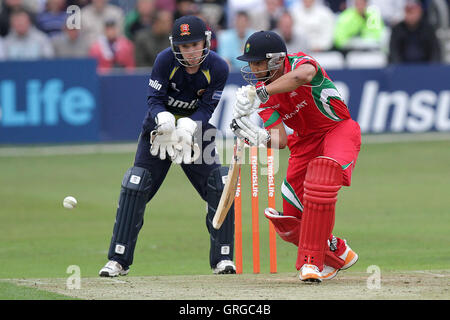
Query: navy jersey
(195, 96)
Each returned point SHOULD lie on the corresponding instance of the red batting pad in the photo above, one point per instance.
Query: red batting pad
(322, 183)
(287, 227)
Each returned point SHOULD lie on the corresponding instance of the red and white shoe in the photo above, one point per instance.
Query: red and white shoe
(310, 273)
(349, 256)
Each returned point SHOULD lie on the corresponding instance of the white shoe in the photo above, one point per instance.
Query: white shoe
(310, 273)
(225, 267)
(328, 272)
(349, 256)
(113, 269)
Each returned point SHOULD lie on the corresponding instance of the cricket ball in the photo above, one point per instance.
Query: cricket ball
(69, 202)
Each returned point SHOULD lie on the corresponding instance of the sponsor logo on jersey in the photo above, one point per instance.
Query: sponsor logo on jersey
(184, 28)
(298, 107)
(155, 84)
(182, 104)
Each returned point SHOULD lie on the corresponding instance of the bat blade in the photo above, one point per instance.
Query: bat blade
(229, 190)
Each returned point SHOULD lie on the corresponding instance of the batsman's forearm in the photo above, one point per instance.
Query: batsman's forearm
(286, 83)
(292, 80)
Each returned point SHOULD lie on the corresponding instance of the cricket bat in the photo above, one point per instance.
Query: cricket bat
(229, 190)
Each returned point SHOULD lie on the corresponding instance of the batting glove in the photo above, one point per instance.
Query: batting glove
(246, 101)
(250, 133)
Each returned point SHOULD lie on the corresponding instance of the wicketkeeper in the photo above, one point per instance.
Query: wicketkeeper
(185, 87)
(294, 90)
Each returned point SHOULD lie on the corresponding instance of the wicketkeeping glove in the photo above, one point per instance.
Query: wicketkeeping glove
(246, 130)
(165, 122)
(163, 144)
(186, 150)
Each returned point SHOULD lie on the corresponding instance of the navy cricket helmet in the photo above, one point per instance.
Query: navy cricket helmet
(263, 45)
(188, 29)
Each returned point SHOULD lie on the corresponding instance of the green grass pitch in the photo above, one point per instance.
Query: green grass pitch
(395, 214)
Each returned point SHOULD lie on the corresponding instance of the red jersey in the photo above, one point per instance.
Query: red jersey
(312, 108)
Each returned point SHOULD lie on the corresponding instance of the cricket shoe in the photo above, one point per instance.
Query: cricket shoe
(113, 269)
(349, 256)
(310, 273)
(225, 267)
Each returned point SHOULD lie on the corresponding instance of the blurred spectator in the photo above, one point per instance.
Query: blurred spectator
(214, 12)
(359, 28)
(337, 6)
(79, 3)
(231, 41)
(439, 14)
(392, 12)
(289, 3)
(414, 39)
(71, 43)
(94, 16)
(112, 49)
(53, 19)
(24, 41)
(265, 16)
(235, 6)
(294, 38)
(316, 21)
(199, 14)
(168, 5)
(8, 6)
(34, 6)
(126, 5)
(185, 7)
(139, 18)
(149, 42)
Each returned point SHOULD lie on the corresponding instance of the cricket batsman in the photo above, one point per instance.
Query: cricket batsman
(185, 86)
(294, 90)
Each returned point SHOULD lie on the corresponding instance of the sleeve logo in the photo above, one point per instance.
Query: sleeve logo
(216, 95)
(155, 84)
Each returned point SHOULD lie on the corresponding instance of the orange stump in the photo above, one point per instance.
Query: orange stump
(272, 204)
(238, 227)
(255, 207)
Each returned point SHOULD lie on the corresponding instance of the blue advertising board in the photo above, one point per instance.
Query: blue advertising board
(413, 98)
(123, 98)
(49, 101)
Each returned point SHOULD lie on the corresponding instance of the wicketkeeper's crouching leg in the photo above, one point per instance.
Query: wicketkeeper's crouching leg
(222, 240)
(134, 194)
